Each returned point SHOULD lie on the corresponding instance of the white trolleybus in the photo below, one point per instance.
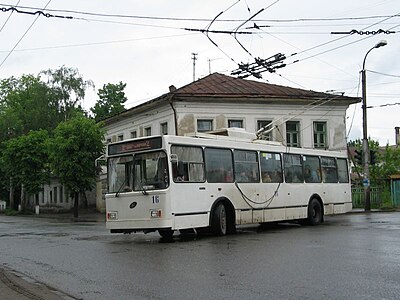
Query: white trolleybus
(167, 183)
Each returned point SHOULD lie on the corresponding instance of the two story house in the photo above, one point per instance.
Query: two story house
(294, 117)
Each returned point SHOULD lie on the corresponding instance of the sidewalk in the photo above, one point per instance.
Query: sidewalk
(14, 286)
(85, 215)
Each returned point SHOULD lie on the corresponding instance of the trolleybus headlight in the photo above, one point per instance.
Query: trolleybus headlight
(155, 213)
(113, 215)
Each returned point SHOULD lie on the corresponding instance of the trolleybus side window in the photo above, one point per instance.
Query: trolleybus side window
(343, 171)
(329, 170)
(219, 166)
(246, 166)
(120, 174)
(271, 167)
(293, 167)
(312, 169)
(187, 164)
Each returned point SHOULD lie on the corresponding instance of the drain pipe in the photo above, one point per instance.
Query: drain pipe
(172, 89)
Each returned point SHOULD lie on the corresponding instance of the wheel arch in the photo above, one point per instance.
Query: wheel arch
(319, 198)
(230, 213)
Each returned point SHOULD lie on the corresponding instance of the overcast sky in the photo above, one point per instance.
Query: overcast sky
(148, 48)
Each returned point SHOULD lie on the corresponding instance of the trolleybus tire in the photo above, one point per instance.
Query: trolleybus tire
(315, 213)
(166, 233)
(218, 221)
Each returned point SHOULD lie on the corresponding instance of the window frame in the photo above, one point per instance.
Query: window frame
(267, 136)
(246, 171)
(318, 135)
(291, 133)
(209, 121)
(218, 172)
(164, 128)
(241, 121)
(291, 177)
(180, 178)
(146, 129)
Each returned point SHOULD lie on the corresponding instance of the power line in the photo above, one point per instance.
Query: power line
(198, 19)
(323, 44)
(98, 43)
(34, 21)
(8, 18)
(38, 12)
(384, 105)
(375, 72)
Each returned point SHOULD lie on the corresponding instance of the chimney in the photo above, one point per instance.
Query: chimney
(397, 136)
(172, 89)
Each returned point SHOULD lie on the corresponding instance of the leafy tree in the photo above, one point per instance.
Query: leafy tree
(112, 99)
(24, 159)
(387, 161)
(69, 88)
(26, 105)
(72, 151)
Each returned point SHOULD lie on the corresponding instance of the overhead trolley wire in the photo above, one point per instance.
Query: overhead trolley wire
(25, 33)
(196, 19)
(2, 27)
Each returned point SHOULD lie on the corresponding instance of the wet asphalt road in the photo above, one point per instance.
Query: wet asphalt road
(354, 256)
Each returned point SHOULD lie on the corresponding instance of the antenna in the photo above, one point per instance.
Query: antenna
(194, 65)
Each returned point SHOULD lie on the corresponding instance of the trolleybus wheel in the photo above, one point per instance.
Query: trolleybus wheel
(166, 233)
(315, 214)
(218, 221)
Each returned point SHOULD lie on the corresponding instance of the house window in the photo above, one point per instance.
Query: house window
(133, 134)
(120, 137)
(320, 135)
(293, 134)
(108, 140)
(164, 128)
(267, 136)
(235, 123)
(204, 125)
(147, 131)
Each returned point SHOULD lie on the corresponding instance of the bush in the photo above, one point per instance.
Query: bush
(10, 212)
(386, 203)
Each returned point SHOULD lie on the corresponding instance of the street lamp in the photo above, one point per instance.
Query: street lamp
(365, 146)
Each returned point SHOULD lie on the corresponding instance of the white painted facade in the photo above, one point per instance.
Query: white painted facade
(188, 114)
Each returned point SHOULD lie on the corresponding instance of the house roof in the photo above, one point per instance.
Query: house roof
(221, 86)
(217, 84)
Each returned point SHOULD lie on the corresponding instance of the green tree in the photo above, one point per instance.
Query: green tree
(72, 151)
(25, 104)
(69, 88)
(111, 101)
(24, 159)
(387, 161)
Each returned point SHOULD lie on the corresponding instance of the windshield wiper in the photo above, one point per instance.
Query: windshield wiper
(144, 192)
(121, 187)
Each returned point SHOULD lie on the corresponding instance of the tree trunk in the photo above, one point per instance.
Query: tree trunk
(76, 204)
(12, 202)
(23, 198)
(84, 200)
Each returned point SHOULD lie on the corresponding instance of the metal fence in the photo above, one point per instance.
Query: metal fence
(357, 196)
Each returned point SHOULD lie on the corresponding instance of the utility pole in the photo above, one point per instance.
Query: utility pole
(194, 58)
(365, 146)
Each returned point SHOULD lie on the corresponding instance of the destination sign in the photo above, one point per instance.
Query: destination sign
(134, 146)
